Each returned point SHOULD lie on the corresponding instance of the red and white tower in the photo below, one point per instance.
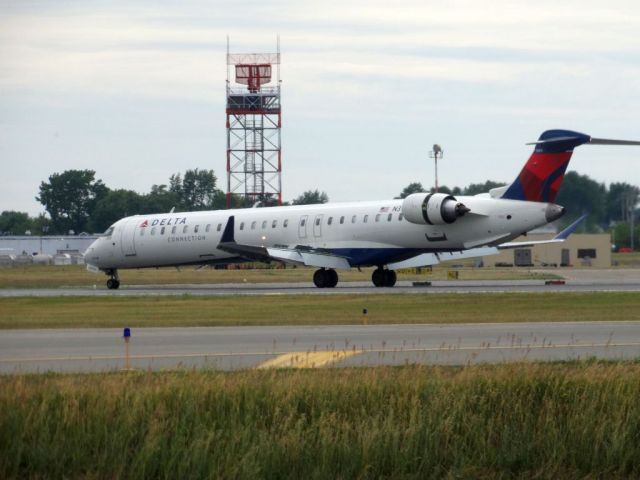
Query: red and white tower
(254, 156)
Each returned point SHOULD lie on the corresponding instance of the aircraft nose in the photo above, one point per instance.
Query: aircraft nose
(92, 254)
(553, 212)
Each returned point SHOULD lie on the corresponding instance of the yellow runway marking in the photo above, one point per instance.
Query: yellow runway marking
(307, 359)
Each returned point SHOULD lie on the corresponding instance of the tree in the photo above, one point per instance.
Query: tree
(311, 197)
(581, 194)
(115, 205)
(70, 197)
(445, 189)
(415, 187)
(476, 188)
(15, 223)
(196, 190)
(160, 200)
(621, 197)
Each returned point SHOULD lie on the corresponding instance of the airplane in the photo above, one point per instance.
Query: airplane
(420, 230)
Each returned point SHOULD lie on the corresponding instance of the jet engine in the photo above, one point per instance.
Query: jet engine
(432, 208)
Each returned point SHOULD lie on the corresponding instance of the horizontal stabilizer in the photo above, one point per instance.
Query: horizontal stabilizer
(581, 139)
(606, 141)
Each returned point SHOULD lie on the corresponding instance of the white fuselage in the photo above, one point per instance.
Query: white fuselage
(365, 233)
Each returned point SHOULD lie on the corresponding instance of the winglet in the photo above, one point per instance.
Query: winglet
(570, 229)
(228, 235)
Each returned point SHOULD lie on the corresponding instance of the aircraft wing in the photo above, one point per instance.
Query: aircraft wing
(560, 237)
(428, 259)
(296, 256)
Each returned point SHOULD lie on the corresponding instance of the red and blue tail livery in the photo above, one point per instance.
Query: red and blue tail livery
(542, 175)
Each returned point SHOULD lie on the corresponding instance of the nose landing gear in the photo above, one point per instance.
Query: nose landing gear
(324, 278)
(114, 280)
(383, 278)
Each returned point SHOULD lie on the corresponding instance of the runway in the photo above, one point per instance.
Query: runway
(99, 350)
(575, 280)
(346, 288)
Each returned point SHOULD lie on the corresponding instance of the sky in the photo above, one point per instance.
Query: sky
(135, 90)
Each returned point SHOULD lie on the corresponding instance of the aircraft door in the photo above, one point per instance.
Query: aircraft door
(127, 237)
(317, 226)
(302, 226)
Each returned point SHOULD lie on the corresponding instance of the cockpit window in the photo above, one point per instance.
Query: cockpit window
(109, 231)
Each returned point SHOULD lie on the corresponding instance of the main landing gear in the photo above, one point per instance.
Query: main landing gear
(114, 281)
(324, 278)
(383, 278)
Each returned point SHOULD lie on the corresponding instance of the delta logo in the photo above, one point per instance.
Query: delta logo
(164, 221)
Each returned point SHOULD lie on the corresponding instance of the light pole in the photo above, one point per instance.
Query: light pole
(436, 153)
(632, 211)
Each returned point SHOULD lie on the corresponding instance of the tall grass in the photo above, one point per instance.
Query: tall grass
(545, 420)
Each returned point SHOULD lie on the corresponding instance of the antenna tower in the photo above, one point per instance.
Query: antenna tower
(254, 156)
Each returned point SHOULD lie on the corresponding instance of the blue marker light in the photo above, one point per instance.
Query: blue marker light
(127, 332)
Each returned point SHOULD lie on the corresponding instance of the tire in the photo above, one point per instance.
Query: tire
(390, 278)
(377, 277)
(111, 284)
(320, 278)
(332, 276)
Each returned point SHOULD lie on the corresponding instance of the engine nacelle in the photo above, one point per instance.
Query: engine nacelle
(432, 208)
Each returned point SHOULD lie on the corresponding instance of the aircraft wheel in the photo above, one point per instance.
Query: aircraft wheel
(377, 277)
(332, 277)
(390, 278)
(320, 278)
(113, 284)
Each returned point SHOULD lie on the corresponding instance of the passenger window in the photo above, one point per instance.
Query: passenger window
(185, 229)
(378, 217)
(274, 224)
(219, 227)
(241, 225)
(153, 230)
(195, 230)
(366, 217)
(207, 228)
(162, 231)
(173, 230)
(302, 222)
(400, 217)
(253, 225)
(286, 223)
(353, 219)
(264, 224)
(318, 221)
(330, 221)
(389, 217)
(341, 220)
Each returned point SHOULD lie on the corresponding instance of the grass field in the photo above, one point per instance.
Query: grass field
(626, 259)
(39, 276)
(574, 420)
(166, 311)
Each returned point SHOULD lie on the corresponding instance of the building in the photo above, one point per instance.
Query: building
(26, 245)
(579, 250)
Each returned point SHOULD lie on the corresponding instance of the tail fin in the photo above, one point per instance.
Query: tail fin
(542, 175)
